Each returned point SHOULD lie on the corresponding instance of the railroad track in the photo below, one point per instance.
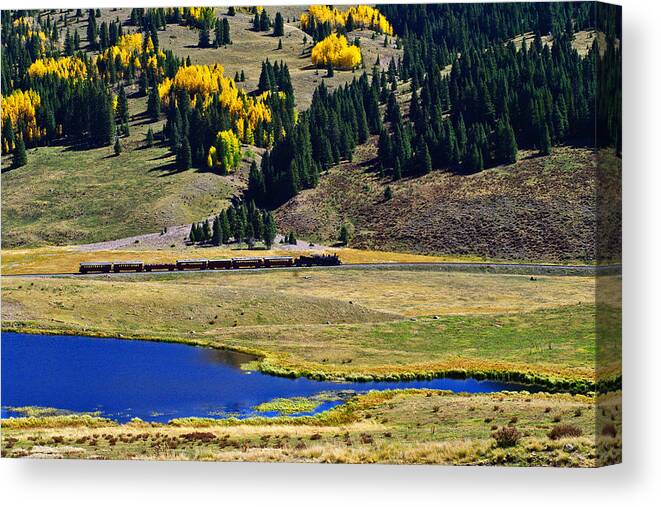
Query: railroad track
(515, 268)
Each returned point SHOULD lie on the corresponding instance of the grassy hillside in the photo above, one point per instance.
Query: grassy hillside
(73, 194)
(538, 208)
(249, 48)
(66, 195)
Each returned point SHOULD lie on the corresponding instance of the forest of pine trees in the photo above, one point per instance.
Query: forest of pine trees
(49, 95)
(325, 134)
(496, 100)
(240, 223)
(543, 95)
(490, 105)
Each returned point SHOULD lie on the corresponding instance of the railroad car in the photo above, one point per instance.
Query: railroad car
(192, 264)
(219, 264)
(272, 262)
(95, 267)
(318, 260)
(247, 262)
(136, 266)
(202, 264)
(160, 266)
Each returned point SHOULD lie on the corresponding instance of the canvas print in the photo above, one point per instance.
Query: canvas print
(313, 233)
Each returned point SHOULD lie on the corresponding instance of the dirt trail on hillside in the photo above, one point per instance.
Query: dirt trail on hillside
(176, 237)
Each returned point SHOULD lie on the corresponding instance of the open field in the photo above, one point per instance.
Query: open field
(391, 427)
(349, 323)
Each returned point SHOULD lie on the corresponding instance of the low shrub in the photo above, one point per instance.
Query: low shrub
(203, 436)
(507, 436)
(564, 431)
(366, 438)
(609, 430)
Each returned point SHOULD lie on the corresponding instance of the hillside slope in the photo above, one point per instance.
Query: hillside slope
(69, 194)
(541, 208)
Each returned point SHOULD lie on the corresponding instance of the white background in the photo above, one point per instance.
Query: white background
(54, 483)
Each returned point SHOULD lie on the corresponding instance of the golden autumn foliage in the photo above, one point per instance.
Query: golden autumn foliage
(195, 16)
(23, 21)
(363, 16)
(67, 67)
(28, 29)
(207, 81)
(225, 154)
(129, 49)
(336, 50)
(21, 109)
(199, 15)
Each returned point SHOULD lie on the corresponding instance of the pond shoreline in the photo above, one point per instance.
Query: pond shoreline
(275, 365)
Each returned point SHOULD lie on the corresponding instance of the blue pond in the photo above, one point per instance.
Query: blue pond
(154, 381)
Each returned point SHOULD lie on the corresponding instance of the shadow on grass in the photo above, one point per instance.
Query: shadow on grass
(169, 169)
(168, 154)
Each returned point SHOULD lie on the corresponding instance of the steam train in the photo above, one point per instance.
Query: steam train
(207, 264)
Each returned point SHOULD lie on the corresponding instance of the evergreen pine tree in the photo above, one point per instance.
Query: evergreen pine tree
(397, 170)
(150, 138)
(184, 155)
(154, 104)
(225, 227)
(473, 161)
(345, 235)
(92, 30)
(270, 230)
(424, 158)
(102, 125)
(203, 38)
(122, 106)
(142, 83)
(218, 34)
(278, 25)
(506, 148)
(264, 21)
(226, 32)
(217, 235)
(206, 231)
(545, 142)
(20, 157)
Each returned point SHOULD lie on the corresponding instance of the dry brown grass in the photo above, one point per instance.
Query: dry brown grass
(541, 208)
(250, 48)
(397, 427)
(582, 41)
